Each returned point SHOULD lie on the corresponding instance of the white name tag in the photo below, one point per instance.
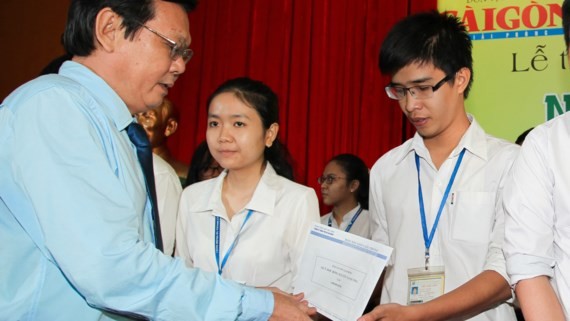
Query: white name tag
(425, 285)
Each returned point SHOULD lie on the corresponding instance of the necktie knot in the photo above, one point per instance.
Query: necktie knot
(138, 135)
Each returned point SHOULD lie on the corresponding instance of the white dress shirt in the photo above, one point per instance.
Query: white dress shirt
(168, 191)
(469, 237)
(271, 242)
(537, 209)
(361, 226)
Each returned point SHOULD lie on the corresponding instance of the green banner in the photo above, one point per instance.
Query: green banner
(521, 76)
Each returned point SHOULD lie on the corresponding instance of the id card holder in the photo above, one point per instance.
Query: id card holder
(425, 284)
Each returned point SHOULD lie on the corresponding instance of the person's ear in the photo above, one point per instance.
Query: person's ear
(107, 29)
(271, 134)
(354, 185)
(462, 78)
(171, 127)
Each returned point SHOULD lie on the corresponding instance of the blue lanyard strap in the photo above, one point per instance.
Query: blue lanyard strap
(429, 239)
(351, 221)
(217, 242)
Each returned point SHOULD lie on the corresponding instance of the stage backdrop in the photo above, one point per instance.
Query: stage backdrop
(320, 57)
(520, 62)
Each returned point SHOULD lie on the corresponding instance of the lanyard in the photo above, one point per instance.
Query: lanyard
(351, 221)
(429, 239)
(217, 242)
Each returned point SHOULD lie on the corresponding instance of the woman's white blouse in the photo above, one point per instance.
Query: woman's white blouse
(270, 244)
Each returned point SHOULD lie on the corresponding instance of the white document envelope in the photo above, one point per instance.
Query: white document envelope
(339, 271)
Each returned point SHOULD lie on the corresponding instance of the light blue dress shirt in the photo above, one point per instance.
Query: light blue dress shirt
(75, 223)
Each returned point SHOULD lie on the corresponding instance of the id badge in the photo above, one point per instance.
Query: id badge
(425, 285)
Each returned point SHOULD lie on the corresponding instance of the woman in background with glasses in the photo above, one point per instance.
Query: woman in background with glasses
(344, 186)
(251, 222)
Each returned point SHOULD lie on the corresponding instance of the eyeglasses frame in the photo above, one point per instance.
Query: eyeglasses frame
(175, 49)
(329, 179)
(410, 89)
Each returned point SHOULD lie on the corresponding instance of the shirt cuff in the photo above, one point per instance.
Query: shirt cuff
(256, 304)
(522, 267)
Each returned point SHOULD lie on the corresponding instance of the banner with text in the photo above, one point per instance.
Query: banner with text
(521, 76)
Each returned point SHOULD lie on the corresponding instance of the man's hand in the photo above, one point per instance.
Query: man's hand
(291, 308)
(391, 312)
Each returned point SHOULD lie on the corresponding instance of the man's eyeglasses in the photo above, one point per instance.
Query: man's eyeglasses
(418, 92)
(329, 179)
(176, 49)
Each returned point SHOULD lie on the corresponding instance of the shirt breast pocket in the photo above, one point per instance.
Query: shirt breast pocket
(473, 214)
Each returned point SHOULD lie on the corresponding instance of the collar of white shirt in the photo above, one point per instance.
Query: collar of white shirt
(262, 201)
(474, 140)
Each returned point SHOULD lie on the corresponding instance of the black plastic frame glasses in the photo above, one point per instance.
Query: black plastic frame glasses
(418, 92)
(176, 49)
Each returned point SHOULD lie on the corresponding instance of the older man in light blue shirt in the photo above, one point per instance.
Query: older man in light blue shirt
(76, 233)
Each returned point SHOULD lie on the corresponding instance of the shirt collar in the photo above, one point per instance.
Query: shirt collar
(262, 201)
(348, 217)
(110, 102)
(474, 140)
(265, 194)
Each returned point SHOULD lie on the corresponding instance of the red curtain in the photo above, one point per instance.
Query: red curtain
(319, 56)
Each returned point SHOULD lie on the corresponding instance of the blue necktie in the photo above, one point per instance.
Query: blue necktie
(138, 137)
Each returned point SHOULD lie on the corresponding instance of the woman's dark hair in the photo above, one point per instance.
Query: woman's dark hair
(260, 97)
(201, 161)
(78, 38)
(429, 37)
(355, 169)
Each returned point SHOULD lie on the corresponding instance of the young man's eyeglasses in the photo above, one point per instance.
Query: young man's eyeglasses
(176, 49)
(418, 92)
(329, 179)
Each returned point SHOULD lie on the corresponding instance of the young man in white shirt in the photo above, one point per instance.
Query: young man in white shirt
(436, 198)
(537, 218)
